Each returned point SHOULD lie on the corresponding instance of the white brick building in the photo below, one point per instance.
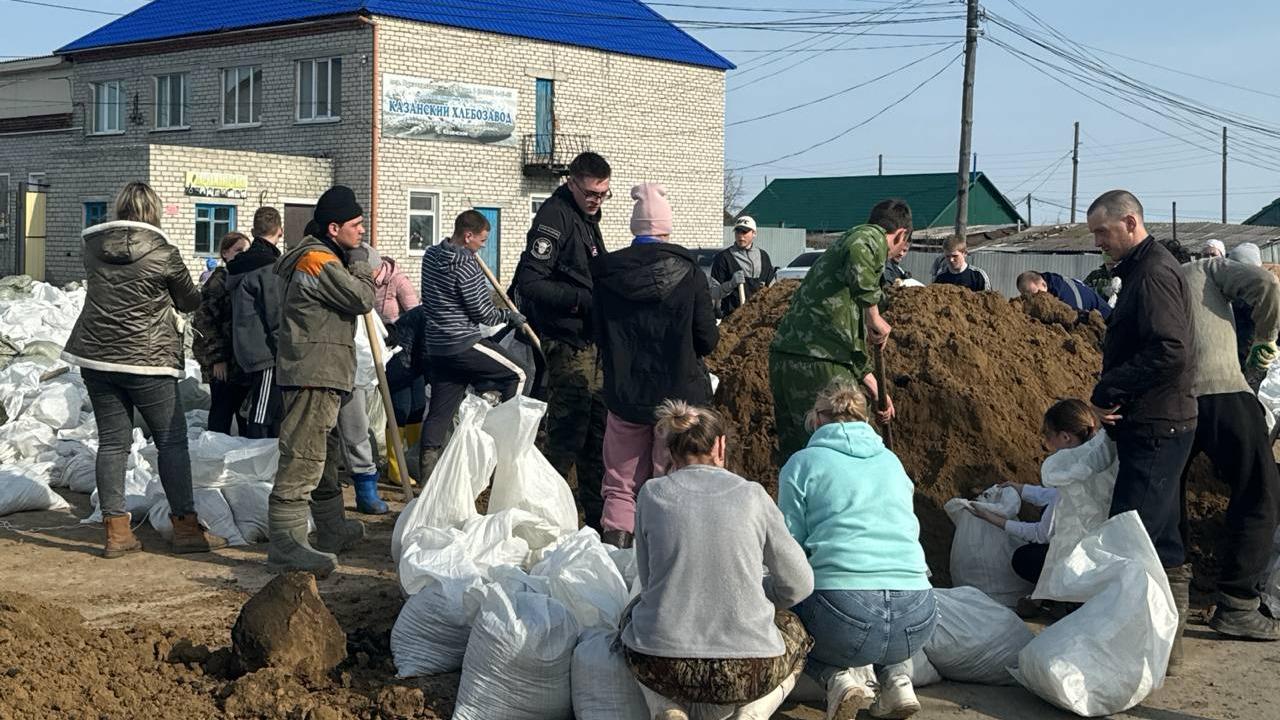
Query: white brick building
(275, 112)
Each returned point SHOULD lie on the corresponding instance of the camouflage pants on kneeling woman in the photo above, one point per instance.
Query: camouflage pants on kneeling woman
(735, 681)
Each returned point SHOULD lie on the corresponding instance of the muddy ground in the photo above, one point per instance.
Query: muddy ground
(143, 637)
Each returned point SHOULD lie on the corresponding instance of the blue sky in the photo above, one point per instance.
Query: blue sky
(1022, 119)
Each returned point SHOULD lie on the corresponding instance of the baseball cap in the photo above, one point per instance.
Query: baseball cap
(746, 222)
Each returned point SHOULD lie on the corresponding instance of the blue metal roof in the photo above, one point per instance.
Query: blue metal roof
(628, 27)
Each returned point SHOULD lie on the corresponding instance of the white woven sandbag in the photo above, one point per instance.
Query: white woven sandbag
(976, 638)
(23, 487)
(583, 577)
(212, 509)
(523, 477)
(981, 553)
(603, 686)
(430, 635)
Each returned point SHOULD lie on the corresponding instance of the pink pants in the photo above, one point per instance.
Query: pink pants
(632, 454)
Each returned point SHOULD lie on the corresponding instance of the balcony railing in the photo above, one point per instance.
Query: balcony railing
(551, 153)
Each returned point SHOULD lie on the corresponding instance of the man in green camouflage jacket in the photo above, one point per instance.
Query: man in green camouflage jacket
(832, 319)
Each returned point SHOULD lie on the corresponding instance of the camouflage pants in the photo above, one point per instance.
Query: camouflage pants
(795, 382)
(724, 682)
(310, 446)
(576, 421)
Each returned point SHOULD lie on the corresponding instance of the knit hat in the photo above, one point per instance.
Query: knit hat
(1246, 253)
(652, 213)
(337, 205)
(1222, 249)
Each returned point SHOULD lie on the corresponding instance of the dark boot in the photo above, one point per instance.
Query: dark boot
(427, 459)
(334, 532)
(1180, 585)
(618, 538)
(120, 537)
(290, 550)
(1242, 619)
(189, 535)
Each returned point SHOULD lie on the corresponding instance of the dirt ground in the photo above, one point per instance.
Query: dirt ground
(154, 626)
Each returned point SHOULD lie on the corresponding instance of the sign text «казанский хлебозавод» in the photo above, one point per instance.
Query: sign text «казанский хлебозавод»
(450, 111)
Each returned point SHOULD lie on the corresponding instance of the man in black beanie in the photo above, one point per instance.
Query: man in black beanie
(327, 284)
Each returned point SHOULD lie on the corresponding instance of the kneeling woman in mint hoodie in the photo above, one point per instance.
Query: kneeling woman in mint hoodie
(848, 502)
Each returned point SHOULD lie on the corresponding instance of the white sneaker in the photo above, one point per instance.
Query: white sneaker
(897, 699)
(850, 691)
(765, 707)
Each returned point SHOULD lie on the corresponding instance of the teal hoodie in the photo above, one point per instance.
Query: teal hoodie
(848, 502)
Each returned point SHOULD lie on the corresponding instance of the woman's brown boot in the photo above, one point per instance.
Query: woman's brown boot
(190, 537)
(120, 537)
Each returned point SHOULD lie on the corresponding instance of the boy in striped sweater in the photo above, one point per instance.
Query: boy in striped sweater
(456, 299)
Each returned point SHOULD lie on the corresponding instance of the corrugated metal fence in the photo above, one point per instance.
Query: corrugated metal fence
(782, 244)
(1004, 267)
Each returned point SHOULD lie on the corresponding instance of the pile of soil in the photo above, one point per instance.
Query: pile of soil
(53, 665)
(971, 376)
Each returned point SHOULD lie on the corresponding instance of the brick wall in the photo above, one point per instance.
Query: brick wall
(20, 155)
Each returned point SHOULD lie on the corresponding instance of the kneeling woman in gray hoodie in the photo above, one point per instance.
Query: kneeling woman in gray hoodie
(709, 625)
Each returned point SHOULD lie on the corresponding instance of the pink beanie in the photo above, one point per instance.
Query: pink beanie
(652, 213)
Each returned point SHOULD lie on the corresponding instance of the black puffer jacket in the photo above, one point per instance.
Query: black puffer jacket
(136, 285)
(552, 283)
(654, 323)
(255, 291)
(1147, 355)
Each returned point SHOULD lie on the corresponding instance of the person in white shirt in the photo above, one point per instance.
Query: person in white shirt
(1067, 424)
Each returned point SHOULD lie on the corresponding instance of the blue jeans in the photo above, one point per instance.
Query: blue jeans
(853, 628)
(115, 396)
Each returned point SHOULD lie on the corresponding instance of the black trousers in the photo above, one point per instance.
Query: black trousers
(485, 364)
(266, 406)
(1150, 481)
(1028, 561)
(1232, 432)
(225, 399)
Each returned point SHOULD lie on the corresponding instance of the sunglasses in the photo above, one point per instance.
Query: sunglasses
(593, 195)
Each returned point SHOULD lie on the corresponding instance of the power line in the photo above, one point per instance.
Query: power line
(68, 7)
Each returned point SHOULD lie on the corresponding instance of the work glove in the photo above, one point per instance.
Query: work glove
(738, 278)
(515, 319)
(360, 253)
(1262, 355)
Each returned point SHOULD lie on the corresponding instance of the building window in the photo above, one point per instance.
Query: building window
(535, 204)
(212, 222)
(95, 213)
(242, 96)
(171, 101)
(544, 116)
(108, 107)
(424, 208)
(320, 89)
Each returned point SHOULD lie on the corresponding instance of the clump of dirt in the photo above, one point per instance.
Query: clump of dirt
(53, 665)
(971, 376)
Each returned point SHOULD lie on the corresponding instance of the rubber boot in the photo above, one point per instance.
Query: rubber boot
(427, 460)
(409, 435)
(334, 532)
(367, 500)
(617, 538)
(290, 550)
(1242, 619)
(1180, 586)
(120, 537)
(189, 536)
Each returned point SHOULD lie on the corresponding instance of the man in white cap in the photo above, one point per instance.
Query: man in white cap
(742, 263)
(1213, 248)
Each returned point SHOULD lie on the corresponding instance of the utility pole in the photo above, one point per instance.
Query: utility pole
(966, 118)
(880, 166)
(1224, 174)
(1075, 170)
(1028, 209)
(1175, 221)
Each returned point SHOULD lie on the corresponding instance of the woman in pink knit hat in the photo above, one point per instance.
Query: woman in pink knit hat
(654, 324)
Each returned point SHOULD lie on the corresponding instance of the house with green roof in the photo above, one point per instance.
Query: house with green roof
(1269, 215)
(835, 204)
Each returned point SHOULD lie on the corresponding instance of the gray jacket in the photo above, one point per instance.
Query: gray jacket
(136, 284)
(1212, 285)
(256, 292)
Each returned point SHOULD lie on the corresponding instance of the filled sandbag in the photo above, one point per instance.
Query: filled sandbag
(981, 553)
(23, 488)
(603, 686)
(976, 638)
(583, 577)
(211, 507)
(523, 477)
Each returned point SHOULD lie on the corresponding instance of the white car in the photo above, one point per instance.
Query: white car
(798, 268)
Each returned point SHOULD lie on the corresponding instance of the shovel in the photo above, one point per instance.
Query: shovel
(393, 430)
(882, 395)
(540, 357)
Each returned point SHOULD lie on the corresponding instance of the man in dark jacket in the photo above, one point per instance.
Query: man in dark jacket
(327, 284)
(552, 287)
(1077, 295)
(654, 324)
(255, 292)
(1144, 395)
(757, 269)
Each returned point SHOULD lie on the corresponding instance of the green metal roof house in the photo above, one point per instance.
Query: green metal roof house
(835, 204)
(1269, 215)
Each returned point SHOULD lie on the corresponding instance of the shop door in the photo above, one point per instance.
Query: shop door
(31, 229)
(296, 218)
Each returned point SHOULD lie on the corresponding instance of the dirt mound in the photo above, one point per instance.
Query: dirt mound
(972, 374)
(54, 666)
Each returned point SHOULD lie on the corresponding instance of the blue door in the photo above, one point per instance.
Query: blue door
(490, 252)
(545, 117)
